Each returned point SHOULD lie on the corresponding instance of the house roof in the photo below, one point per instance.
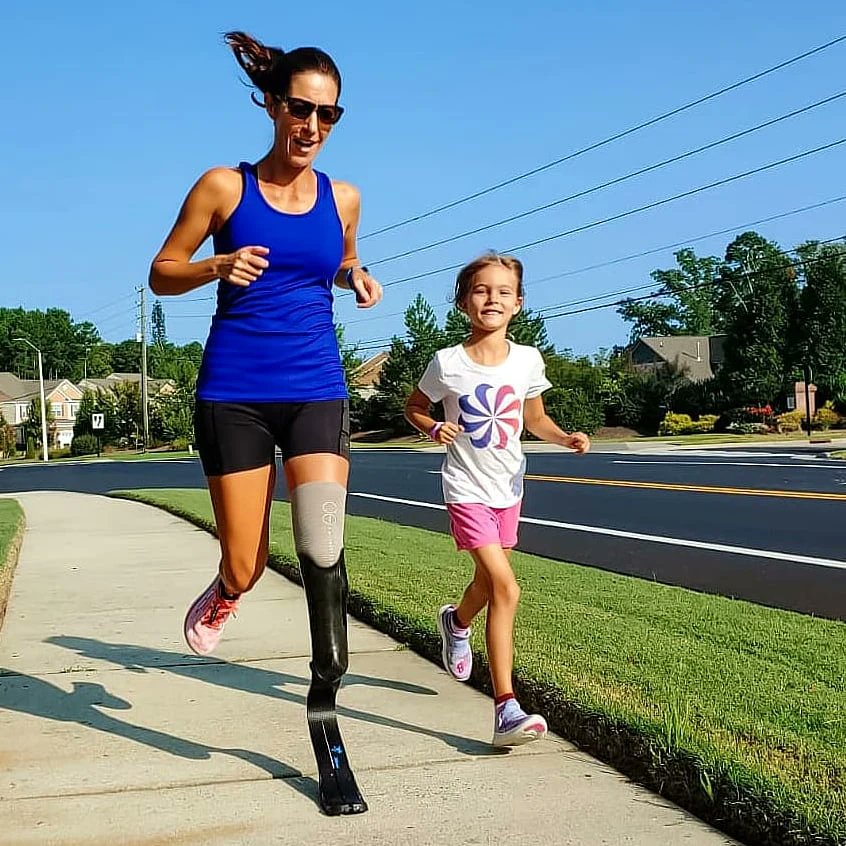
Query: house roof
(367, 374)
(153, 385)
(23, 390)
(691, 355)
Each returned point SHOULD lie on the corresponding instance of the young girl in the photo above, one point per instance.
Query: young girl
(491, 388)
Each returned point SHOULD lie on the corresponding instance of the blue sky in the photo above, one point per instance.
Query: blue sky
(111, 111)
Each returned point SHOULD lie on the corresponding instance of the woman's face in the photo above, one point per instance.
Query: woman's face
(298, 138)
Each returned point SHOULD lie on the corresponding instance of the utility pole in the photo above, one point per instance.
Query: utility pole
(143, 339)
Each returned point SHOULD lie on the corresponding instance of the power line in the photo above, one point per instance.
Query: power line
(718, 281)
(617, 181)
(616, 137)
(381, 343)
(687, 241)
(634, 289)
(638, 210)
(110, 304)
(577, 271)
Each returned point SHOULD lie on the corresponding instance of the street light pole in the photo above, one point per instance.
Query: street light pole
(44, 449)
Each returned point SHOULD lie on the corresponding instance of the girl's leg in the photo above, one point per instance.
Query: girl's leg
(475, 598)
(504, 597)
(317, 489)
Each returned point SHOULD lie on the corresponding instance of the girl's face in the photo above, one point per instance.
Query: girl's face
(493, 299)
(305, 117)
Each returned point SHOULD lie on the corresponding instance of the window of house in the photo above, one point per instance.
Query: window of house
(74, 410)
(58, 410)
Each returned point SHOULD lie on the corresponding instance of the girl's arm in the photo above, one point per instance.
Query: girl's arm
(367, 290)
(173, 272)
(541, 425)
(417, 408)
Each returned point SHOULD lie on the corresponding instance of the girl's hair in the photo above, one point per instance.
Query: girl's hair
(467, 274)
(270, 68)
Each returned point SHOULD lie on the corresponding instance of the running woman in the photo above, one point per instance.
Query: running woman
(491, 389)
(284, 234)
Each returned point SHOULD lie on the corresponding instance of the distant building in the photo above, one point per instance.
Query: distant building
(365, 379)
(155, 387)
(698, 357)
(62, 399)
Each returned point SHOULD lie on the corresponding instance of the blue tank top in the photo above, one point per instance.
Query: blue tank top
(274, 341)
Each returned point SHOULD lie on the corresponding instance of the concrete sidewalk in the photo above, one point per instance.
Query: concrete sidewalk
(111, 734)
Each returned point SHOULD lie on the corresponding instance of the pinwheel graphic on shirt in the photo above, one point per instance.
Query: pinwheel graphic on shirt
(490, 415)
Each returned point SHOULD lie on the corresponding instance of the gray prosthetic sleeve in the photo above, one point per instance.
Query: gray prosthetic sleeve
(317, 513)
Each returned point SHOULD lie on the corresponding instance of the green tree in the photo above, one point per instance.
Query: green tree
(123, 412)
(456, 327)
(32, 423)
(62, 342)
(689, 301)
(407, 359)
(97, 363)
(172, 416)
(126, 357)
(821, 326)
(91, 403)
(529, 328)
(759, 297)
(8, 444)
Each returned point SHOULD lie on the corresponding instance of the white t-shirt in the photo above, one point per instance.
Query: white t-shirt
(485, 462)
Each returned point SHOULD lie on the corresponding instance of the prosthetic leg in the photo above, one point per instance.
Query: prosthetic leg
(326, 591)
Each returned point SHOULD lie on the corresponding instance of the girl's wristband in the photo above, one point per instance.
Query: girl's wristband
(433, 432)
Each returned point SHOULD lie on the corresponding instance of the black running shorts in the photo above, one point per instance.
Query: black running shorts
(234, 436)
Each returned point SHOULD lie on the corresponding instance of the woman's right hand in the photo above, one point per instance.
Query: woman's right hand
(243, 266)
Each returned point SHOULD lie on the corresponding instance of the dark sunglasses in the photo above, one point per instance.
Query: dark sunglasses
(302, 110)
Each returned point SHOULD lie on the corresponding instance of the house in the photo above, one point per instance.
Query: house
(365, 378)
(155, 387)
(62, 399)
(698, 357)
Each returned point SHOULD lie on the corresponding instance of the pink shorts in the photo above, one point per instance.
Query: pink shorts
(473, 524)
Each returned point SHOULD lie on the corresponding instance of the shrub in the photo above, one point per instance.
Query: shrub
(179, 444)
(84, 445)
(30, 447)
(703, 425)
(790, 421)
(748, 428)
(681, 424)
(826, 417)
(574, 409)
(674, 424)
(60, 452)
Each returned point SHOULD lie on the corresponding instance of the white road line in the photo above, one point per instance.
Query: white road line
(619, 533)
(832, 466)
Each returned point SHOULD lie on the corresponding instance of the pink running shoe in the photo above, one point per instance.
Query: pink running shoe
(206, 618)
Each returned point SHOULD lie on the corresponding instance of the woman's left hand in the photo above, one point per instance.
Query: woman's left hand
(367, 290)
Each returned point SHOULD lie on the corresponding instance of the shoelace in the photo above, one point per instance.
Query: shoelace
(219, 613)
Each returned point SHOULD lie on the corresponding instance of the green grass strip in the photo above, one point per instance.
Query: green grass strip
(11, 535)
(11, 524)
(735, 711)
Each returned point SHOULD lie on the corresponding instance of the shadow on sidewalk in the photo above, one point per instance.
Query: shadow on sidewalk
(252, 679)
(30, 695)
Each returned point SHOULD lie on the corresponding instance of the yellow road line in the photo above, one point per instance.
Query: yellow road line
(664, 486)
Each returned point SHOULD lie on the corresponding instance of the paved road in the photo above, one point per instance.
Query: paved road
(763, 525)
